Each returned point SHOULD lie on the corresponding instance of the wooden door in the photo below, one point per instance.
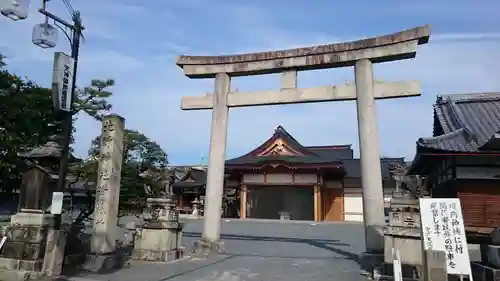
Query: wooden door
(333, 204)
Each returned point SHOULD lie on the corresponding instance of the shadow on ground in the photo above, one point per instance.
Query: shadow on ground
(319, 243)
(255, 251)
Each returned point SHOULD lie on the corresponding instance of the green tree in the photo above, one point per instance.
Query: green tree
(27, 119)
(138, 150)
(2, 63)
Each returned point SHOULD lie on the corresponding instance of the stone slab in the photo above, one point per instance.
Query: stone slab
(158, 256)
(410, 249)
(54, 253)
(103, 240)
(23, 250)
(308, 58)
(157, 239)
(20, 275)
(371, 264)
(492, 255)
(17, 264)
(22, 233)
(345, 92)
(201, 248)
(98, 263)
(484, 272)
(27, 219)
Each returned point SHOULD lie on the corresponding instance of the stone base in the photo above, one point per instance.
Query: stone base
(410, 272)
(103, 263)
(491, 255)
(21, 275)
(202, 247)
(54, 252)
(18, 264)
(157, 256)
(371, 264)
(483, 272)
(160, 244)
(38, 219)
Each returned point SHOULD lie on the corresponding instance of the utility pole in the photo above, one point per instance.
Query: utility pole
(18, 10)
(67, 116)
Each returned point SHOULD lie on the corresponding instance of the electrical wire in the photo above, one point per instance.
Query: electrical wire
(68, 5)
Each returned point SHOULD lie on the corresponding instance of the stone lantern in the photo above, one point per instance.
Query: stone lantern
(44, 35)
(15, 9)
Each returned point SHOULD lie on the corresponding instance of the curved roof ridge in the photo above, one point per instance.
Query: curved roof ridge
(446, 136)
(471, 97)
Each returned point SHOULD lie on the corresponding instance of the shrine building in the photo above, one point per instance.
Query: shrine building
(282, 177)
(462, 158)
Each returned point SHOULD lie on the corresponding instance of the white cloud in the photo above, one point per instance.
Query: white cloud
(150, 85)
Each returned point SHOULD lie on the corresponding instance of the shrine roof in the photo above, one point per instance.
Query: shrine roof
(283, 147)
(464, 123)
(352, 167)
(189, 176)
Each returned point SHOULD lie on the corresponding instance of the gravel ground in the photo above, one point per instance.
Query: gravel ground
(260, 250)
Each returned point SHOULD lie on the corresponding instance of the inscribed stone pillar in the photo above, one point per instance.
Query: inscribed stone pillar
(216, 160)
(108, 185)
(371, 176)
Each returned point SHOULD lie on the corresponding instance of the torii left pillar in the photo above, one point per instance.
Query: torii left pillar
(217, 157)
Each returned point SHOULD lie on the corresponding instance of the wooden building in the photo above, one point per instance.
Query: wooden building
(282, 177)
(189, 184)
(462, 158)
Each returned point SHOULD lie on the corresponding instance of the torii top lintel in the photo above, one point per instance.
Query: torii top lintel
(396, 46)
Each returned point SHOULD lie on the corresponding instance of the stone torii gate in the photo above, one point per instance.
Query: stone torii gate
(360, 54)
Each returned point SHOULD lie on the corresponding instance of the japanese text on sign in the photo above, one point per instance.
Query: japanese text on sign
(62, 81)
(443, 230)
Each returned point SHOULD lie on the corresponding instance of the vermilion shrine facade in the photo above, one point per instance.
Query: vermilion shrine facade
(282, 177)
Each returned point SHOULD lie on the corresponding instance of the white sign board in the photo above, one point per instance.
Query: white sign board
(396, 265)
(57, 203)
(443, 230)
(62, 81)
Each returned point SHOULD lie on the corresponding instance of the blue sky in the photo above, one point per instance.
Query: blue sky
(135, 43)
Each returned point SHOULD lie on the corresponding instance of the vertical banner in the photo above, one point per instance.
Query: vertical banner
(62, 81)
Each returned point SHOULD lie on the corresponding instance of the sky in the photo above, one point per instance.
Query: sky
(136, 42)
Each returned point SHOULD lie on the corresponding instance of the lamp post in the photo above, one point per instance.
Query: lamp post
(44, 35)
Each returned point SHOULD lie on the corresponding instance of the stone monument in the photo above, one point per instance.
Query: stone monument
(403, 231)
(103, 255)
(33, 248)
(160, 238)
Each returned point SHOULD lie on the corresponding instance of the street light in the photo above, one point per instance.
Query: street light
(15, 9)
(45, 36)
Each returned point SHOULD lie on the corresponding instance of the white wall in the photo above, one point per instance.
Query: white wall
(353, 201)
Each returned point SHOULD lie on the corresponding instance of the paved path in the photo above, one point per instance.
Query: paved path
(261, 250)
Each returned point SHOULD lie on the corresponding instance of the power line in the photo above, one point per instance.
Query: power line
(68, 5)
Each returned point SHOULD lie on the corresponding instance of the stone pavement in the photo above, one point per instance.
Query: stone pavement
(260, 250)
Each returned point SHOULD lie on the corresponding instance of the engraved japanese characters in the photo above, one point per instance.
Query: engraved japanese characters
(108, 185)
(443, 230)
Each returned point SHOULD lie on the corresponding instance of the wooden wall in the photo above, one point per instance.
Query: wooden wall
(480, 202)
(332, 201)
